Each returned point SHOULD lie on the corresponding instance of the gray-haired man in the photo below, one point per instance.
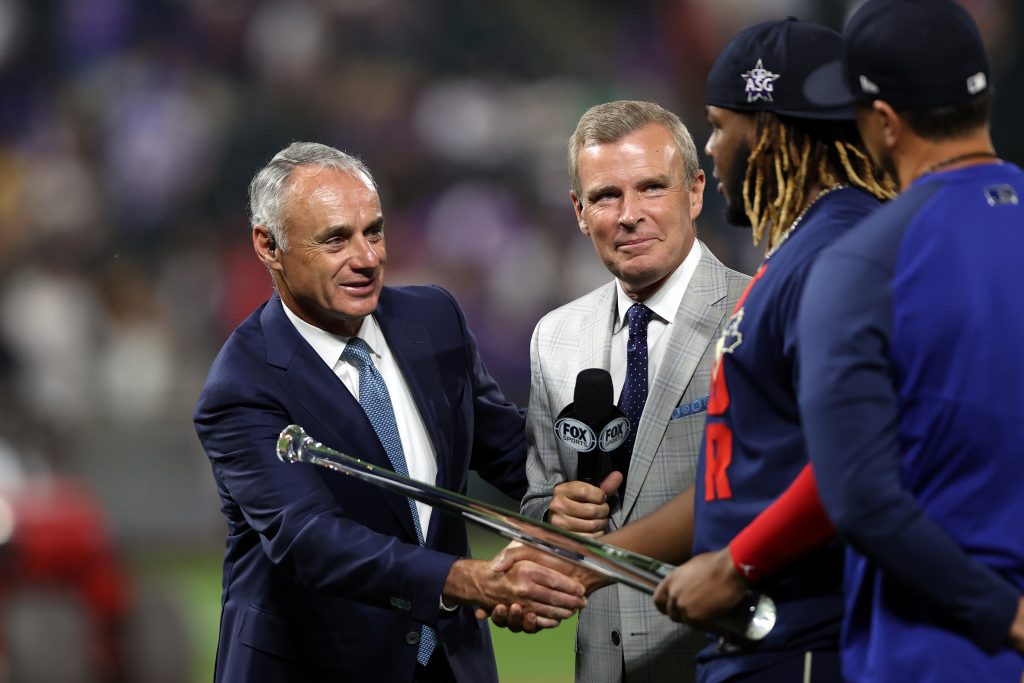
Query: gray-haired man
(326, 578)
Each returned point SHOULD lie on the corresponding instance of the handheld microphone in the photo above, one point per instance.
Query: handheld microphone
(592, 425)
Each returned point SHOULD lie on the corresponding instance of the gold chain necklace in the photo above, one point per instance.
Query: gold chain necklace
(796, 223)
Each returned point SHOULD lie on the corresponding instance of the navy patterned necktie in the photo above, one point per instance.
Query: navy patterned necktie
(634, 389)
(376, 403)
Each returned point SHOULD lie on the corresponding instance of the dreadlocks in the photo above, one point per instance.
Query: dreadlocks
(790, 151)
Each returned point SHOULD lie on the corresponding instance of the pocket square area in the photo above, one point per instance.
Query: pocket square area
(697, 405)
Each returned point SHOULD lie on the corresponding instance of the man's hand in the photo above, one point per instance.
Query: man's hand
(702, 588)
(515, 617)
(581, 507)
(517, 552)
(539, 591)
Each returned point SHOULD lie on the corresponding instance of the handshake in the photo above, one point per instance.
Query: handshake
(557, 587)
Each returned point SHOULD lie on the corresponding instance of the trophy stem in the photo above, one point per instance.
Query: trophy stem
(632, 569)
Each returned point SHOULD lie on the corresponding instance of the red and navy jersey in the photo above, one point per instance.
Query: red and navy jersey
(912, 394)
(753, 443)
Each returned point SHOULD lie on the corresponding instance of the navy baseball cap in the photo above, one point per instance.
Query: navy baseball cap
(913, 54)
(765, 68)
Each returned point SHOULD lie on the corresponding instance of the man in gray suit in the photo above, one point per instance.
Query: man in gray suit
(637, 190)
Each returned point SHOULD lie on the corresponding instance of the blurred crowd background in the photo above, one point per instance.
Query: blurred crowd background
(129, 130)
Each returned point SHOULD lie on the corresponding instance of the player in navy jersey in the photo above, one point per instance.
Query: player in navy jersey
(912, 380)
(796, 174)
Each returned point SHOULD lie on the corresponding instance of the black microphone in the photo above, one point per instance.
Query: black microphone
(592, 425)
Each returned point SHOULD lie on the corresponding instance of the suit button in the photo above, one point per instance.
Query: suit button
(615, 638)
(412, 637)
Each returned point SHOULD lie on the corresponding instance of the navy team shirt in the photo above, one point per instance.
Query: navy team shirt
(754, 447)
(912, 395)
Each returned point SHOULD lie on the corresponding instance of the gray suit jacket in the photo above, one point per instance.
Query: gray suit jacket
(620, 623)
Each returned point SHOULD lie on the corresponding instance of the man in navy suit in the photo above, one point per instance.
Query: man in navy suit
(327, 578)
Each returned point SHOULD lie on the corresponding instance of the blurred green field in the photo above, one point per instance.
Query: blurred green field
(194, 581)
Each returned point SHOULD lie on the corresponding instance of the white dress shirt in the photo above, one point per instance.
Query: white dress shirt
(420, 456)
(664, 303)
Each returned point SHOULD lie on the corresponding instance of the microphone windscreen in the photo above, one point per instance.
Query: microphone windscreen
(593, 399)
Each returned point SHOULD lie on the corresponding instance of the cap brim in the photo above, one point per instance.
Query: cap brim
(826, 87)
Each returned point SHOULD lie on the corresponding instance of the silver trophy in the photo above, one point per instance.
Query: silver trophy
(751, 620)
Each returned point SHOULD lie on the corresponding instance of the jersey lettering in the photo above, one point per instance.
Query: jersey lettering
(718, 458)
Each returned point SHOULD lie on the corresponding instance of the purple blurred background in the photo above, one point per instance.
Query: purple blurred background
(129, 130)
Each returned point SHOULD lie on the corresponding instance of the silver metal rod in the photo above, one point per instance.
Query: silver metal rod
(635, 570)
(638, 571)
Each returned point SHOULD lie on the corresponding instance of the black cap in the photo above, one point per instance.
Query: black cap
(765, 68)
(913, 54)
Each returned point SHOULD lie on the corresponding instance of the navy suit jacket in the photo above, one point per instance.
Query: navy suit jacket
(323, 576)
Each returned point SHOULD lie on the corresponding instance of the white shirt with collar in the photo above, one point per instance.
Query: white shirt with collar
(664, 303)
(420, 456)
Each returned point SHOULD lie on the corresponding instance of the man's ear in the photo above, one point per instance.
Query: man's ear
(697, 194)
(577, 206)
(892, 126)
(266, 247)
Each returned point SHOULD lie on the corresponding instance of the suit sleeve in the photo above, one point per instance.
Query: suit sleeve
(543, 466)
(849, 406)
(302, 527)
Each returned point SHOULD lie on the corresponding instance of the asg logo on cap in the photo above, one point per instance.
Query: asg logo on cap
(760, 83)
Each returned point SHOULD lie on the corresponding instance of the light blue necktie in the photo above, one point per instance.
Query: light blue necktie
(634, 389)
(376, 402)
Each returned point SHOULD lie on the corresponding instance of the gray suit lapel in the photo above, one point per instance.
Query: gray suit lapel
(695, 326)
(595, 344)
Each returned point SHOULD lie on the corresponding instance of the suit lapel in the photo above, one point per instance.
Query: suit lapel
(592, 348)
(693, 329)
(414, 353)
(342, 423)
(595, 344)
